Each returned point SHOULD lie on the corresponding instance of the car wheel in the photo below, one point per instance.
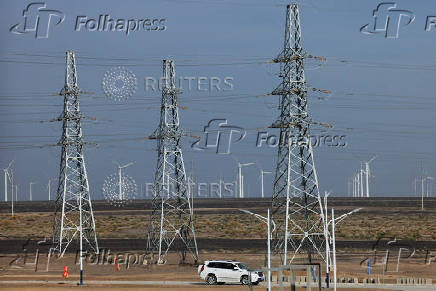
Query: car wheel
(211, 279)
(244, 280)
(220, 283)
(255, 283)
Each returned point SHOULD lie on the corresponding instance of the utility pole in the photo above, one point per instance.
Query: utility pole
(270, 223)
(73, 216)
(171, 220)
(326, 234)
(262, 172)
(334, 249)
(306, 224)
(288, 186)
(269, 249)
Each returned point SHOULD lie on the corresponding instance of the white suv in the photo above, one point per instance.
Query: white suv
(220, 272)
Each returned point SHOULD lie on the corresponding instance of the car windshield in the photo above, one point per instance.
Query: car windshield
(242, 266)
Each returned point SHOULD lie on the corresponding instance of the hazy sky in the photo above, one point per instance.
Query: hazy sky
(381, 100)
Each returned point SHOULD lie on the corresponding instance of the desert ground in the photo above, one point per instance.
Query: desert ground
(385, 228)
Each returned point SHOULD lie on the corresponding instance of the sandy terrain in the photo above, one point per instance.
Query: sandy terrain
(240, 237)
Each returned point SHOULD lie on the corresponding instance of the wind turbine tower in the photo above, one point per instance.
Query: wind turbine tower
(368, 174)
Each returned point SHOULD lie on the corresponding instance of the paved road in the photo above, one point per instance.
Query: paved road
(218, 205)
(13, 246)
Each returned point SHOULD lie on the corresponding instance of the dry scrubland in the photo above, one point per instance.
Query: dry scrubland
(366, 225)
(348, 266)
(379, 218)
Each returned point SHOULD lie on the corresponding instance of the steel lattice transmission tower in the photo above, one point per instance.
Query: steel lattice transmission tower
(171, 221)
(73, 217)
(296, 201)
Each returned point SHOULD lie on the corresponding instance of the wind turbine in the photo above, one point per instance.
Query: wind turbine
(7, 175)
(241, 178)
(262, 172)
(120, 179)
(30, 190)
(6, 184)
(49, 189)
(429, 186)
(359, 194)
(367, 171)
(361, 180)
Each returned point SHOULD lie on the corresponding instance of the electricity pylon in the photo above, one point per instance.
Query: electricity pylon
(73, 216)
(296, 201)
(171, 221)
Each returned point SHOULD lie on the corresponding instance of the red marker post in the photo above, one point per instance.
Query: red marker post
(65, 273)
(116, 264)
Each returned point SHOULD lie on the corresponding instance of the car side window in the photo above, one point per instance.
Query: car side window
(212, 265)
